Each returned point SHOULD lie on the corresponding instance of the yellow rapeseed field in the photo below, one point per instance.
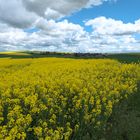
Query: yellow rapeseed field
(61, 98)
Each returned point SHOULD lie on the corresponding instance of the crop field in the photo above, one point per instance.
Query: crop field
(68, 99)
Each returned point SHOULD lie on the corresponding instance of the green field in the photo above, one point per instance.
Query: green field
(122, 57)
(45, 97)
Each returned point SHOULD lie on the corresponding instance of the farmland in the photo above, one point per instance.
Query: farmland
(58, 98)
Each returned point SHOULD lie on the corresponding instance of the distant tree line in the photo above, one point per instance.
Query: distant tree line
(71, 54)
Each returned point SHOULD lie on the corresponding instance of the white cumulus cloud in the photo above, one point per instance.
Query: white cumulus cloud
(103, 25)
(114, 35)
(23, 13)
(108, 35)
(13, 13)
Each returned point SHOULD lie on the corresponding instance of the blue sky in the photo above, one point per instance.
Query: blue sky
(124, 10)
(101, 25)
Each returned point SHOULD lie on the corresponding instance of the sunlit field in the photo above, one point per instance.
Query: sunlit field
(68, 99)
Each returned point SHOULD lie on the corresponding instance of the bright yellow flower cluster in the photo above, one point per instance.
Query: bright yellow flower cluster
(57, 98)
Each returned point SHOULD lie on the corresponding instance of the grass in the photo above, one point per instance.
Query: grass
(123, 58)
(15, 55)
(126, 57)
(124, 123)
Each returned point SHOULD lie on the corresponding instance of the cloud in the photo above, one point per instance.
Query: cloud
(59, 28)
(55, 9)
(52, 36)
(113, 35)
(108, 26)
(23, 13)
(12, 12)
(65, 37)
(108, 35)
(96, 2)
